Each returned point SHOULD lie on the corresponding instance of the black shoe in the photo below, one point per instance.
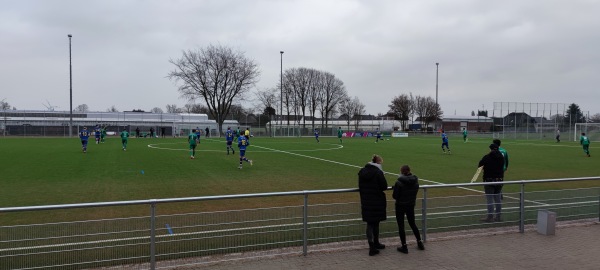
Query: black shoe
(421, 246)
(379, 246)
(373, 251)
(498, 218)
(403, 249)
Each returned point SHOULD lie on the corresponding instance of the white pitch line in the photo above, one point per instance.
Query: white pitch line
(356, 166)
(157, 146)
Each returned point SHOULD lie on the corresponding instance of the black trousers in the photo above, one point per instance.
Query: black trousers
(409, 211)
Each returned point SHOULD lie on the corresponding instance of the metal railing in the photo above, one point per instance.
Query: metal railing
(256, 225)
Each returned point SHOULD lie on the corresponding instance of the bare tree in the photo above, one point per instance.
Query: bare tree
(268, 100)
(314, 87)
(4, 106)
(302, 85)
(238, 113)
(82, 108)
(434, 111)
(332, 94)
(358, 110)
(156, 110)
(112, 109)
(195, 108)
(427, 110)
(595, 118)
(216, 74)
(346, 110)
(352, 109)
(402, 107)
(172, 108)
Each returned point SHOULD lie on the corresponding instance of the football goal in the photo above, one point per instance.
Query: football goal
(592, 130)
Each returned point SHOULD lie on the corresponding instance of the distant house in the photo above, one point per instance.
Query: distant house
(471, 123)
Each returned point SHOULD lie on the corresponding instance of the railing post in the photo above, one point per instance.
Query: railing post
(153, 236)
(522, 209)
(424, 215)
(305, 226)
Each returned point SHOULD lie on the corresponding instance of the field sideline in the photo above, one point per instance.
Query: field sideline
(41, 171)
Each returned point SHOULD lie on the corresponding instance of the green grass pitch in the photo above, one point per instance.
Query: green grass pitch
(42, 171)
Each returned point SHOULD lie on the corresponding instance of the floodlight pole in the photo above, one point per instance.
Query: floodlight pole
(437, 65)
(70, 90)
(281, 93)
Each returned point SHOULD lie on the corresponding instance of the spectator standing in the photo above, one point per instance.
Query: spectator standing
(493, 171)
(405, 194)
(371, 185)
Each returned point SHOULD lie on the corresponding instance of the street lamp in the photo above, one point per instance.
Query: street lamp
(437, 65)
(70, 90)
(281, 92)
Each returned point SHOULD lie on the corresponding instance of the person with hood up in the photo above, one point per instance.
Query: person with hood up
(493, 171)
(405, 194)
(372, 186)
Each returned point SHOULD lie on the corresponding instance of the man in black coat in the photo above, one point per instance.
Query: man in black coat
(405, 194)
(493, 171)
(371, 185)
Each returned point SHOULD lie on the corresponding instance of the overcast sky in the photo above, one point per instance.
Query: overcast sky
(544, 51)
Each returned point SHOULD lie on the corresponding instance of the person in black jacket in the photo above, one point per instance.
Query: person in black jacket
(405, 194)
(371, 185)
(493, 171)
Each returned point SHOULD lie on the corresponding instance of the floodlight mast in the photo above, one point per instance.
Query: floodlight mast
(281, 92)
(70, 90)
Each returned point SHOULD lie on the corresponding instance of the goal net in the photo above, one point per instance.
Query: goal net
(592, 130)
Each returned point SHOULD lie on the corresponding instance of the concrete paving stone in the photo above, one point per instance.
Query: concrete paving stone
(572, 247)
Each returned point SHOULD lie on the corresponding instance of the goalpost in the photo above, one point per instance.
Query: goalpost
(592, 130)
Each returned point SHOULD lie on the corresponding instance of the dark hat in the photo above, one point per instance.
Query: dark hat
(494, 146)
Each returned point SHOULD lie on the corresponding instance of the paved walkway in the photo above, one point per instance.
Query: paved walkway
(573, 247)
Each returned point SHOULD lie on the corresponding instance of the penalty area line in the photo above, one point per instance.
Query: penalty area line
(358, 167)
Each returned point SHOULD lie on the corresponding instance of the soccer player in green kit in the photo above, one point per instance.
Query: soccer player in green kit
(340, 133)
(124, 138)
(465, 135)
(102, 134)
(192, 139)
(585, 142)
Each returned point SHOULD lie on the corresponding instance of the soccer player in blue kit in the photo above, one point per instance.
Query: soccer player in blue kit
(197, 132)
(242, 144)
(84, 136)
(229, 139)
(317, 134)
(445, 142)
(97, 132)
(378, 134)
